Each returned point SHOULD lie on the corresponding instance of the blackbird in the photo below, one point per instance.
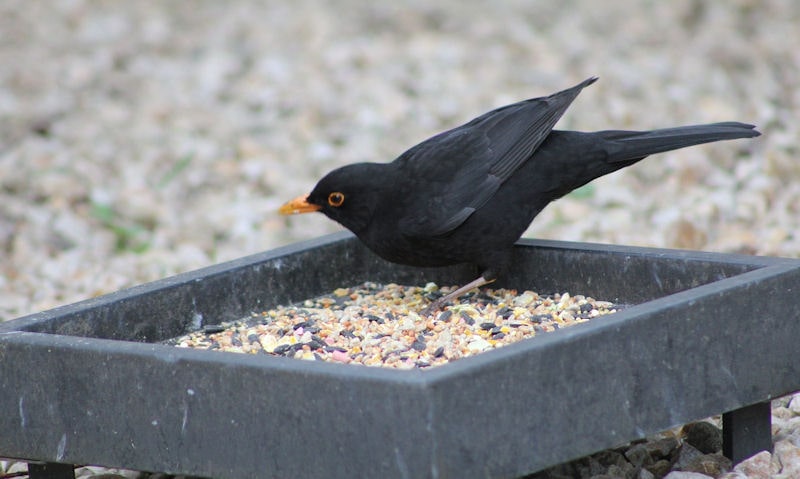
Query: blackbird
(466, 195)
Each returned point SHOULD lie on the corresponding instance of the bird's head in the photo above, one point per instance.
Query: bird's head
(349, 195)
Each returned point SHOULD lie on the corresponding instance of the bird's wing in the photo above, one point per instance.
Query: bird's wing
(461, 169)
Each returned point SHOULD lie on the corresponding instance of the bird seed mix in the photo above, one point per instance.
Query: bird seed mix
(378, 325)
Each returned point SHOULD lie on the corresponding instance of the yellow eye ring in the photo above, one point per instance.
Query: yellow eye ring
(336, 199)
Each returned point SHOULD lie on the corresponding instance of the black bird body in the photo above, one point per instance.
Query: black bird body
(467, 195)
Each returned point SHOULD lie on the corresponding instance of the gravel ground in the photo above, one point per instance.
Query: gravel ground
(141, 139)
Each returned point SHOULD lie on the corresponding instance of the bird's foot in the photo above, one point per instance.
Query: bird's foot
(432, 308)
(439, 303)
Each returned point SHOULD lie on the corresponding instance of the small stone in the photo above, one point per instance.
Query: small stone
(704, 436)
(479, 345)
(794, 404)
(733, 475)
(624, 470)
(340, 356)
(639, 456)
(610, 458)
(758, 466)
(710, 464)
(268, 343)
(524, 299)
(686, 454)
(660, 468)
(662, 448)
(781, 412)
(686, 475)
(645, 474)
(787, 455)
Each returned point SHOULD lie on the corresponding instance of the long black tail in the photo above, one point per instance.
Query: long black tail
(624, 146)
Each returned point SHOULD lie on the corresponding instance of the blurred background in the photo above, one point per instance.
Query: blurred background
(142, 139)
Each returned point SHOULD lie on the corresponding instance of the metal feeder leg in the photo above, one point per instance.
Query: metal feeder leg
(50, 470)
(747, 431)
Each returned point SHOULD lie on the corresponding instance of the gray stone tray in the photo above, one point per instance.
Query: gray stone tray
(707, 334)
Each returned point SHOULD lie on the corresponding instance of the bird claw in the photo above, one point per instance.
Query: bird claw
(431, 309)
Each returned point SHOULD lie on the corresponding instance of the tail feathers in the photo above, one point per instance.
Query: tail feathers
(634, 145)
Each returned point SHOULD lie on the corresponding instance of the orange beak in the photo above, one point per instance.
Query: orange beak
(297, 206)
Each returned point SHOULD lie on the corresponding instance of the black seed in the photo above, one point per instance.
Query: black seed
(304, 324)
(347, 333)
(376, 319)
(500, 335)
(515, 325)
(391, 317)
(467, 318)
(538, 318)
(482, 296)
(252, 337)
(330, 349)
(213, 328)
(586, 308)
(315, 344)
(282, 349)
(495, 330)
(236, 341)
(505, 312)
(317, 338)
(538, 328)
(318, 357)
(439, 352)
(433, 295)
(487, 326)
(445, 316)
(213, 345)
(556, 326)
(342, 300)
(422, 364)
(418, 345)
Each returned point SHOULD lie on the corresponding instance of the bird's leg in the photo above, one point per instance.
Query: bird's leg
(436, 305)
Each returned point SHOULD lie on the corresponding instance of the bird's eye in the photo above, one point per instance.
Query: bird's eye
(336, 199)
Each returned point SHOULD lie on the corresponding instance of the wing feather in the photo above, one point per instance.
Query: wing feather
(461, 169)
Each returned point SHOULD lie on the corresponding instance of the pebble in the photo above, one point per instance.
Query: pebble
(686, 475)
(704, 436)
(759, 466)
